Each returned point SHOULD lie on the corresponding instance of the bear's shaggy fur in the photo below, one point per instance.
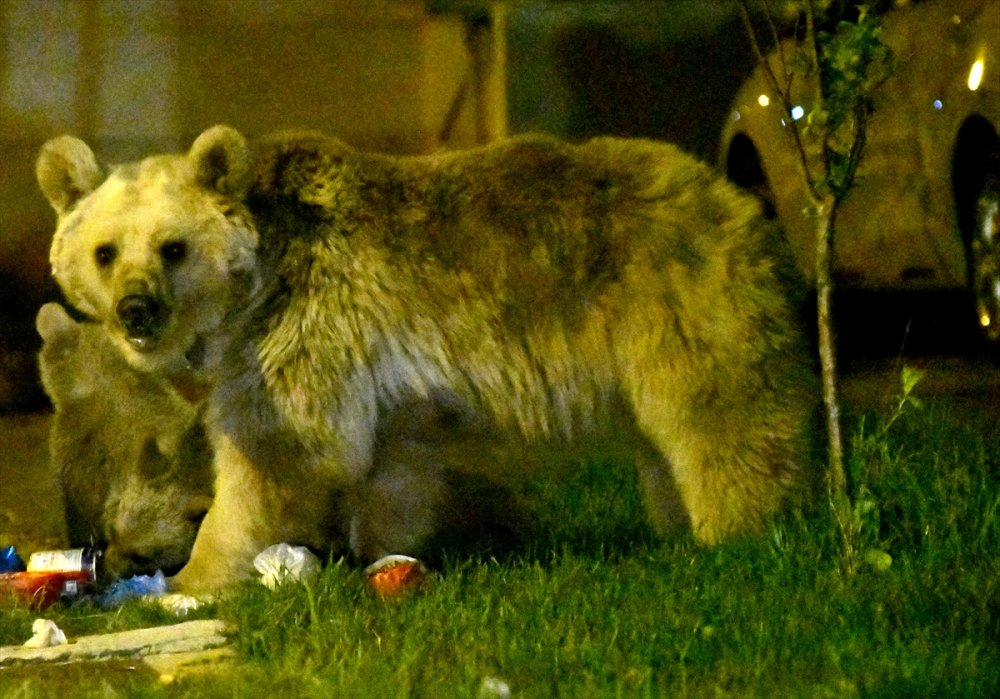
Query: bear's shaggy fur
(615, 291)
(131, 455)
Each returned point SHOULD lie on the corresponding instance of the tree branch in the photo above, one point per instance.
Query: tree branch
(783, 94)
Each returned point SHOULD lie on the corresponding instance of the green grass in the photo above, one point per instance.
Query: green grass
(596, 607)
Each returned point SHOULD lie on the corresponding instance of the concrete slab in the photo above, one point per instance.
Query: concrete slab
(163, 655)
(185, 637)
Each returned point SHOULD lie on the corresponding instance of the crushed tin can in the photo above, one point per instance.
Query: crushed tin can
(51, 575)
(81, 560)
(394, 575)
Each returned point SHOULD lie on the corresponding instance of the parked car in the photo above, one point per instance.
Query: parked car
(924, 213)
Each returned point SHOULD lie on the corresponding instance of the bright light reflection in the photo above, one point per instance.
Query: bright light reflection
(797, 112)
(763, 100)
(976, 75)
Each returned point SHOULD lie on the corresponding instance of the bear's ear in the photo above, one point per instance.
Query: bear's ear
(221, 161)
(56, 327)
(152, 461)
(54, 322)
(67, 171)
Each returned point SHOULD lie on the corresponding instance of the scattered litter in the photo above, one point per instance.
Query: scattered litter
(282, 562)
(131, 588)
(10, 562)
(393, 575)
(180, 604)
(46, 578)
(83, 561)
(41, 589)
(55, 575)
(493, 688)
(46, 634)
(152, 588)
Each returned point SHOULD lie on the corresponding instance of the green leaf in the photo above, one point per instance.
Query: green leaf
(910, 377)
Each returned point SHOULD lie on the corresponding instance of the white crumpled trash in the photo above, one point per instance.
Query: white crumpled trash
(46, 634)
(280, 563)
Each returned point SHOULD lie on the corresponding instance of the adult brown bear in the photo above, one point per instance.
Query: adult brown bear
(616, 290)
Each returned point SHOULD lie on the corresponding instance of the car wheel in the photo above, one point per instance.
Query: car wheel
(984, 258)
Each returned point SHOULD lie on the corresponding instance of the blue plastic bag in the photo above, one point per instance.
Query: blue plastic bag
(10, 562)
(131, 588)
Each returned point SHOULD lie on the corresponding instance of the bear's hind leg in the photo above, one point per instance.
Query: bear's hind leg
(732, 465)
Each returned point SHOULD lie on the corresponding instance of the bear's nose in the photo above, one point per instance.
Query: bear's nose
(138, 315)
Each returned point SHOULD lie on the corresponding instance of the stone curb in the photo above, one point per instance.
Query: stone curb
(187, 637)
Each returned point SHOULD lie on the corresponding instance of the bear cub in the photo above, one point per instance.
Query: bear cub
(131, 455)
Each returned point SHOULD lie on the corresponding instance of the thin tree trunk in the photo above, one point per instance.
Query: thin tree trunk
(836, 480)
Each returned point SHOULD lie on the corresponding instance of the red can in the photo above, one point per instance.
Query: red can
(42, 589)
(394, 575)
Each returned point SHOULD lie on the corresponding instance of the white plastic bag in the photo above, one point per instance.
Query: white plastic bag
(46, 634)
(282, 562)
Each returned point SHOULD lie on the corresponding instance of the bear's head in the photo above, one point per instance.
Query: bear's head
(158, 251)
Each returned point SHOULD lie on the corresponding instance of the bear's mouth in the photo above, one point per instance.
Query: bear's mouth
(142, 318)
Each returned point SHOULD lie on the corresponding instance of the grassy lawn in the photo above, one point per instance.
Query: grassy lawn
(596, 607)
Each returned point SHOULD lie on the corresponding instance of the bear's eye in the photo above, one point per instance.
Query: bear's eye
(105, 254)
(173, 251)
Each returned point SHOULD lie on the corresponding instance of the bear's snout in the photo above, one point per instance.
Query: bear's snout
(139, 315)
